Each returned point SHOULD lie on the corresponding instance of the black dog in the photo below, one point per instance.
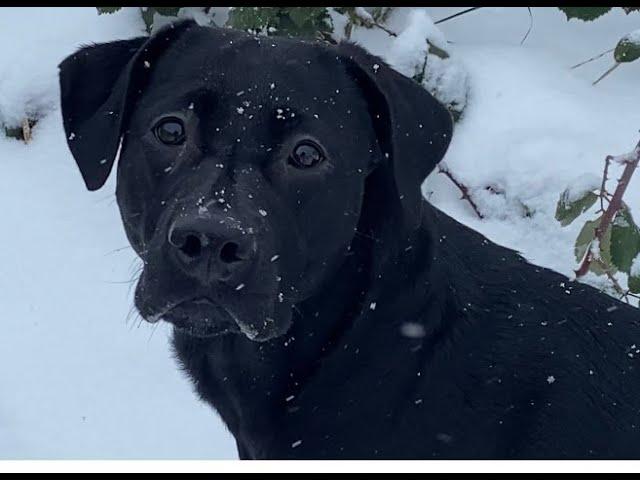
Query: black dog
(272, 189)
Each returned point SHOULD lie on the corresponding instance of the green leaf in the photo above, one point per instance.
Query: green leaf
(567, 211)
(293, 21)
(306, 21)
(627, 50)
(586, 14)
(300, 16)
(628, 10)
(634, 284)
(625, 240)
(108, 10)
(586, 238)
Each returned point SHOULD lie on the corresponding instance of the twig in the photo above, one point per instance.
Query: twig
(463, 188)
(530, 26)
(382, 27)
(601, 77)
(455, 15)
(592, 58)
(368, 21)
(624, 294)
(630, 164)
(616, 285)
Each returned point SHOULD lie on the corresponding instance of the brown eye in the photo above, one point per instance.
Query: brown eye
(170, 131)
(306, 154)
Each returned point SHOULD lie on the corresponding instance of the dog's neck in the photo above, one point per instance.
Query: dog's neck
(251, 384)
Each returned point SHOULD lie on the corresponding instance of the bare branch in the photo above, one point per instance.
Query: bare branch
(455, 15)
(615, 65)
(592, 58)
(526, 35)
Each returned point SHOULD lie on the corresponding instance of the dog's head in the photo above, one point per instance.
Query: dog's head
(244, 164)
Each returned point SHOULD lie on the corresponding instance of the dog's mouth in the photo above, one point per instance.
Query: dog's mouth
(199, 317)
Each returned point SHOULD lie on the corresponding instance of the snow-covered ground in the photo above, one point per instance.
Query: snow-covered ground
(77, 380)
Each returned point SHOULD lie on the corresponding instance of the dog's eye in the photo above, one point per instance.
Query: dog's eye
(170, 131)
(306, 154)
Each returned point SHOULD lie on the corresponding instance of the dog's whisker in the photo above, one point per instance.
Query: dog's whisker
(153, 330)
(129, 315)
(135, 267)
(120, 282)
(133, 316)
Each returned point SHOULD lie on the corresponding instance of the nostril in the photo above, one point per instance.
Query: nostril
(191, 246)
(229, 253)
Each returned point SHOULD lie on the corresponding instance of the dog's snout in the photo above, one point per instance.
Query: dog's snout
(210, 250)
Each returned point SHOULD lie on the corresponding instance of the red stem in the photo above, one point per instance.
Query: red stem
(463, 188)
(614, 205)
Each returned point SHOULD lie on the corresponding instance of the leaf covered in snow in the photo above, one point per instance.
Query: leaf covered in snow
(569, 208)
(625, 240)
(628, 48)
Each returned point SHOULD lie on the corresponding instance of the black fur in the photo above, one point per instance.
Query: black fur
(364, 322)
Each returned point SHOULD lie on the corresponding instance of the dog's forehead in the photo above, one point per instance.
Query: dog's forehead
(230, 62)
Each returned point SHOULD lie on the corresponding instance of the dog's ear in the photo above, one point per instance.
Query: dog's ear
(413, 129)
(98, 85)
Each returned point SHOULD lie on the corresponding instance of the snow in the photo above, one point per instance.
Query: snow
(82, 381)
(412, 330)
(34, 43)
(627, 157)
(445, 78)
(633, 37)
(587, 182)
(364, 15)
(78, 379)
(635, 267)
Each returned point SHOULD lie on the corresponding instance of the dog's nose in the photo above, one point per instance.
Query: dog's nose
(211, 250)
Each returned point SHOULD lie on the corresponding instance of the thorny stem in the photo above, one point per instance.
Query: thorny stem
(630, 164)
(603, 187)
(463, 189)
